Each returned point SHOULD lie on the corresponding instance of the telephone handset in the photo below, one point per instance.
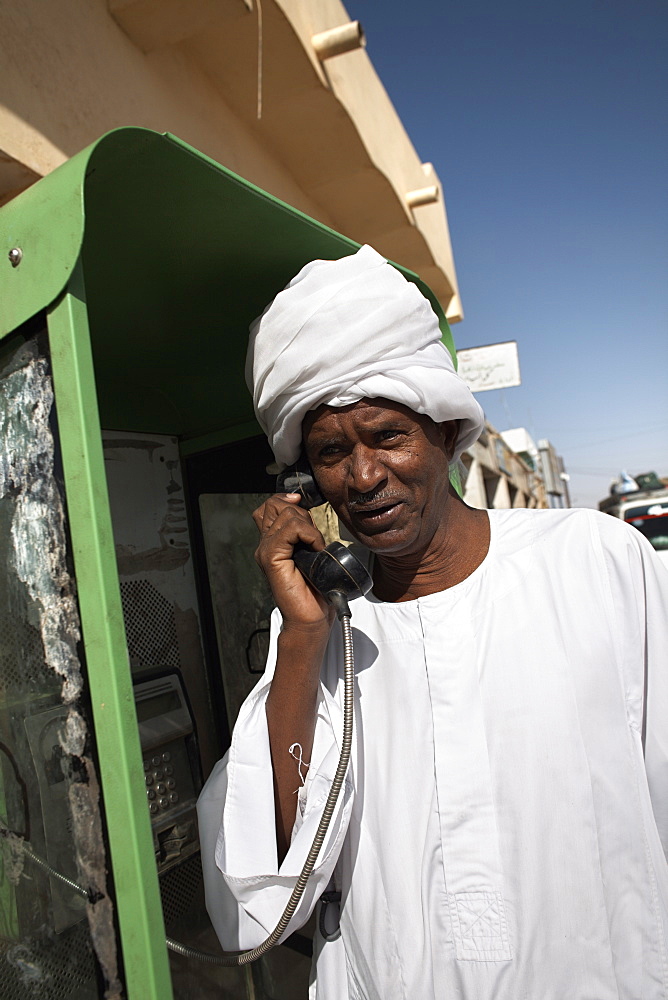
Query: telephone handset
(335, 572)
(299, 478)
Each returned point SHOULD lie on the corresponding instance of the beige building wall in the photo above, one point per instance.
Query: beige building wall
(241, 81)
(498, 478)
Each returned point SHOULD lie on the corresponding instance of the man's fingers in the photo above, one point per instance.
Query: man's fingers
(258, 515)
(283, 524)
(282, 527)
(286, 531)
(277, 511)
(266, 513)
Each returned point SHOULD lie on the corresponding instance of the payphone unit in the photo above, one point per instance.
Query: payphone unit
(172, 771)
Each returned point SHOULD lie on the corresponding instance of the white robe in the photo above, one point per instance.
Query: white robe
(500, 833)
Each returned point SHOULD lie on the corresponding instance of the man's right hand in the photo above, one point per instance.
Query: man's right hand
(282, 524)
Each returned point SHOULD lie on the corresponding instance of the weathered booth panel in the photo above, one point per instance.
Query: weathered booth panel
(55, 942)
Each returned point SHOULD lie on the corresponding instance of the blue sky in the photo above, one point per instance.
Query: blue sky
(547, 123)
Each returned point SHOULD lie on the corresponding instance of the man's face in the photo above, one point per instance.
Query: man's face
(384, 469)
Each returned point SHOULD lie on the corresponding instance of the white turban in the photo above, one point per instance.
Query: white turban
(345, 330)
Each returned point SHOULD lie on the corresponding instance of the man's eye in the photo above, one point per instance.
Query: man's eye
(388, 435)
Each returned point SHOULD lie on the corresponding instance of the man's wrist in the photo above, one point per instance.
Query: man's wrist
(311, 635)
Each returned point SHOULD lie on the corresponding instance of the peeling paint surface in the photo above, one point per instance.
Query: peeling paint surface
(14, 858)
(53, 942)
(38, 531)
(84, 805)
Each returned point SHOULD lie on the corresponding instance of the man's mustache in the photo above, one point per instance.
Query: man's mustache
(363, 499)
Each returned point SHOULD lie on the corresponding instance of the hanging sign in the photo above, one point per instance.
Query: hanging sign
(495, 366)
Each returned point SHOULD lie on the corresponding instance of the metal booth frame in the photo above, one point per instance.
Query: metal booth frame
(148, 261)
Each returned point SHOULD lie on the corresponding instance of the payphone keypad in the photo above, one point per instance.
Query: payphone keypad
(161, 788)
(168, 780)
(171, 796)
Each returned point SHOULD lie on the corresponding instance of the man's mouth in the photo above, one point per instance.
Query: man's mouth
(378, 514)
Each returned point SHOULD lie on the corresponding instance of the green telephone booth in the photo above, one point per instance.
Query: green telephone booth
(132, 618)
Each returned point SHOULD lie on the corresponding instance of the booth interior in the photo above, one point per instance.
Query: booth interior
(170, 258)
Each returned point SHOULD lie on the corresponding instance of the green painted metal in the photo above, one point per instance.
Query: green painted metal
(192, 446)
(180, 255)
(146, 966)
(47, 223)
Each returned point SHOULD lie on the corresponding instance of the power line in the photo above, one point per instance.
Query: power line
(618, 437)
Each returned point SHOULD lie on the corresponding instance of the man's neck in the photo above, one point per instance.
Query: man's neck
(456, 550)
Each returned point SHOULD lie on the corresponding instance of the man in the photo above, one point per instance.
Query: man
(500, 831)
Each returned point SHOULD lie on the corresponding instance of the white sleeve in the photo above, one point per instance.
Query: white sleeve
(639, 585)
(655, 720)
(246, 892)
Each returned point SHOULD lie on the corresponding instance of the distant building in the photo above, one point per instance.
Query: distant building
(554, 474)
(520, 441)
(500, 477)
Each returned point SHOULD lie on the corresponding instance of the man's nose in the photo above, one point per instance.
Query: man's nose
(366, 473)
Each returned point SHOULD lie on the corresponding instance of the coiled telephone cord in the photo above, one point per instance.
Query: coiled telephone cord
(244, 957)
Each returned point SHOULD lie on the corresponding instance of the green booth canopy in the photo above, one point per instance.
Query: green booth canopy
(178, 256)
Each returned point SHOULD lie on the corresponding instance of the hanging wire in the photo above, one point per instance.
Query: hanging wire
(26, 849)
(259, 59)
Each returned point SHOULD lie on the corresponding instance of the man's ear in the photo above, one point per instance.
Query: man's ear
(449, 434)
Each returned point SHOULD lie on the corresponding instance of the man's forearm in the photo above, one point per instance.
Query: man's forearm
(291, 714)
